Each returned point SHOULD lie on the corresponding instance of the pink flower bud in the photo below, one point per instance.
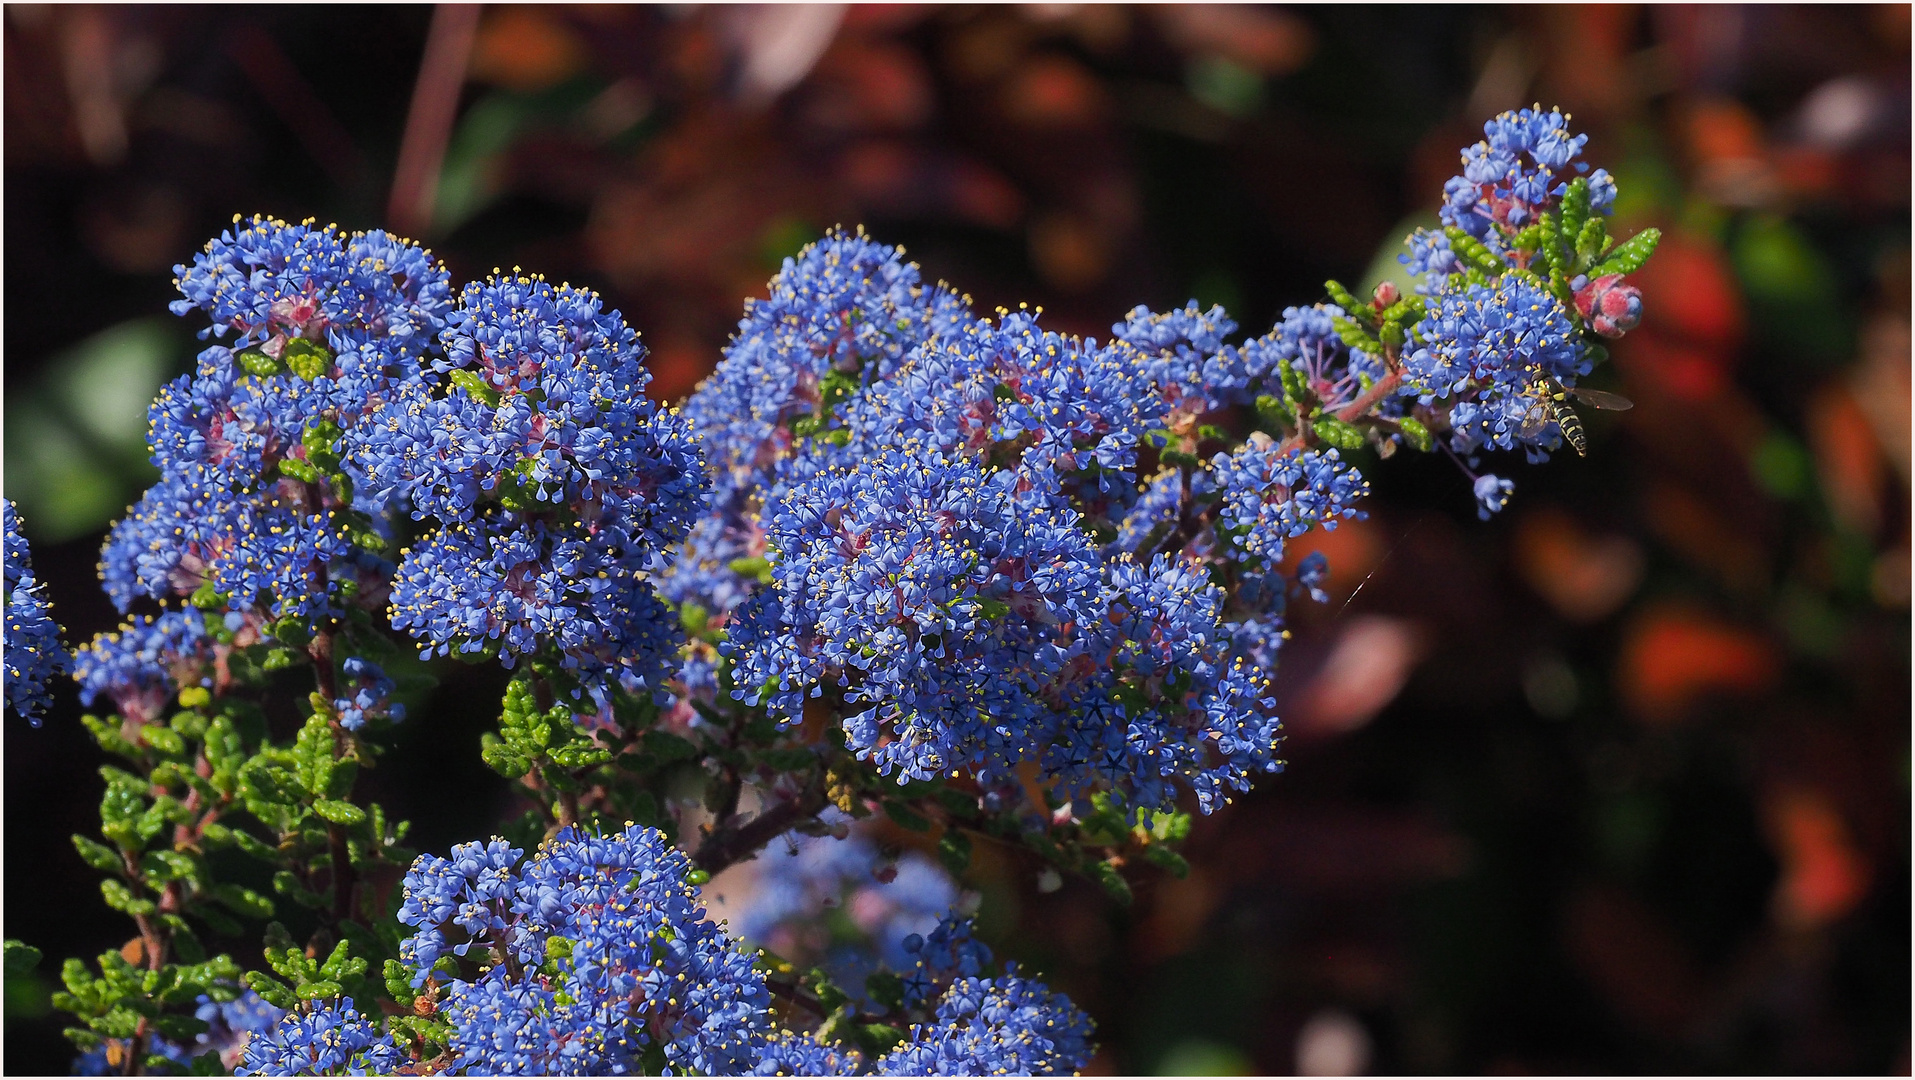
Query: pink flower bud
(1385, 295)
(1612, 308)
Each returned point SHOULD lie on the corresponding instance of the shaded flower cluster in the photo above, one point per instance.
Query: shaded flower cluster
(141, 666)
(34, 653)
(841, 903)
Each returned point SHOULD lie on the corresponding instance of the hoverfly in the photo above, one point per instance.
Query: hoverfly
(1552, 403)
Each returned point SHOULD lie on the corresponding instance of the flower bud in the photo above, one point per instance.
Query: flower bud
(1612, 308)
(1385, 295)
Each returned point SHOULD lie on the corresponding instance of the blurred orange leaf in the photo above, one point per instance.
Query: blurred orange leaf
(1847, 458)
(1824, 874)
(1584, 577)
(525, 49)
(1672, 657)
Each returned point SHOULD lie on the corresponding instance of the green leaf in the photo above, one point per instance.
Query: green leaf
(1591, 241)
(954, 851)
(20, 957)
(164, 866)
(165, 739)
(308, 359)
(1168, 859)
(312, 755)
(322, 988)
(905, 816)
(756, 567)
(1355, 335)
(1113, 882)
(1472, 252)
(1337, 433)
(1552, 241)
(877, 1039)
(120, 898)
(1575, 211)
(1342, 297)
(581, 755)
(1629, 255)
(992, 609)
(244, 901)
(1415, 433)
(667, 748)
(303, 471)
(474, 384)
(258, 363)
(337, 812)
(98, 855)
(180, 1028)
(276, 993)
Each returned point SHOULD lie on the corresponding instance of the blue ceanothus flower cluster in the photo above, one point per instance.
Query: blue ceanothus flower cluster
(34, 653)
(991, 554)
(355, 386)
(954, 539)
(593, 956)
(1511, 283)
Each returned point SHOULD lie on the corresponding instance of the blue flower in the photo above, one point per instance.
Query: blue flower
(1269, 496)
(141, 667)
(1492, 494)
(801, 877)
(639, 961)
(1516, 173)
(319, 1038)
(1490, 347)
(34, 652)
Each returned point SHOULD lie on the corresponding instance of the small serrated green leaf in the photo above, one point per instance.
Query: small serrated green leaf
(1415, 433)
(1113, 882)
(1342, 297)
(308, 359)
(1630, 255)
(954, 851)
(20, 957)
(1337, 433)
(338, 811)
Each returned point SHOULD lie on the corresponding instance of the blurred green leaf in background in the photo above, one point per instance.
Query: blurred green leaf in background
(76, 451)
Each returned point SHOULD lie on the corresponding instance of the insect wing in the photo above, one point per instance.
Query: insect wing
(1603, 399)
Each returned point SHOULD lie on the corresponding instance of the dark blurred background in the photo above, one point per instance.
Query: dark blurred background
(1618, 782)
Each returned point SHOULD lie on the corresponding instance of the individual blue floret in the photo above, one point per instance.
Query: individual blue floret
(1492, 494)
(34, 653)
